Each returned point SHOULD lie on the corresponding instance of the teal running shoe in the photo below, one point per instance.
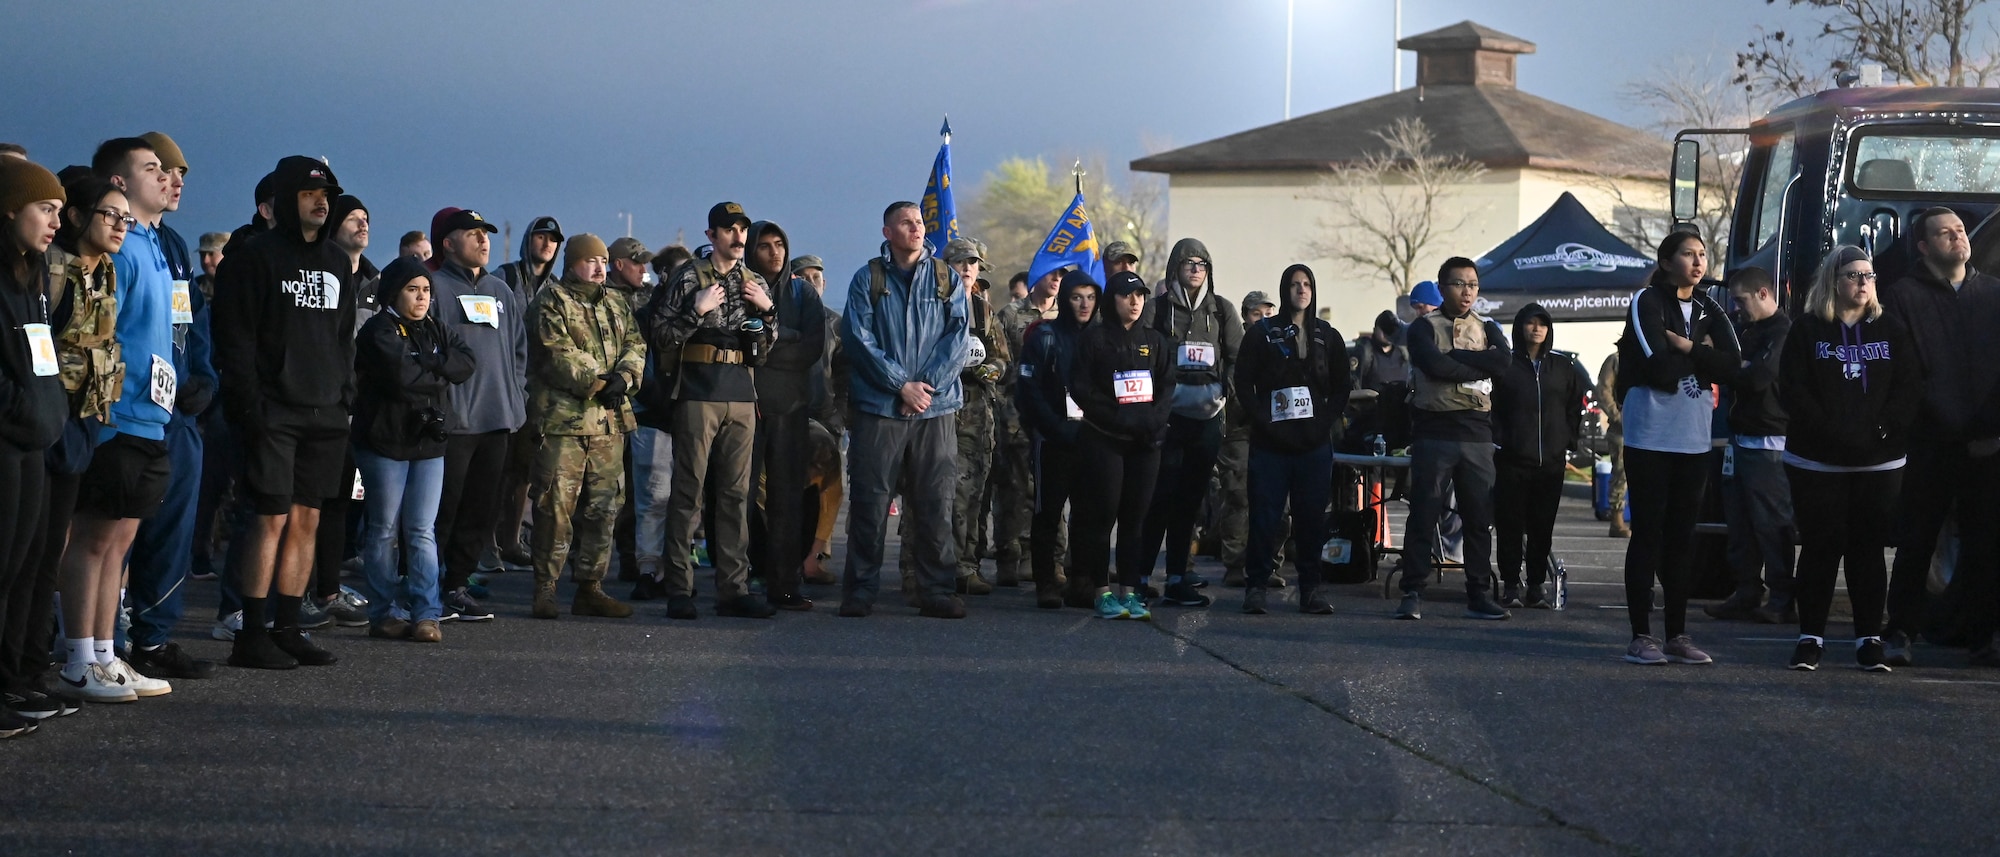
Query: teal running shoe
(1109, 607)
(1135, 607)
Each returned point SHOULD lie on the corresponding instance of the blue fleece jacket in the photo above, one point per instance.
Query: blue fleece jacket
(907, 335)
(145, 331)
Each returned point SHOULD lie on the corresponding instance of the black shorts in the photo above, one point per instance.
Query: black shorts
(127, 478)
(295, 458)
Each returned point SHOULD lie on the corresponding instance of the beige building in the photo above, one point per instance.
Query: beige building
(1248, 196)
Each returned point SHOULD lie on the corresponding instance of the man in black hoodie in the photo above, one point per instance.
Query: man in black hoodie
(1948, 308)
(1756, 496)
(284, 346)
(526, 276)
(1537, 412)
(784, 389)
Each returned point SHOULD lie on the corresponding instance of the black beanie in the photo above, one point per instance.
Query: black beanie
(396, 276)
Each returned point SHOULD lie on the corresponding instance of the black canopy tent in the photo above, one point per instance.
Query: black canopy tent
(1567, 262)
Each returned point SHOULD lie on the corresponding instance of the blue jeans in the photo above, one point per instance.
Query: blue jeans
(1306, 480)
(405, 491)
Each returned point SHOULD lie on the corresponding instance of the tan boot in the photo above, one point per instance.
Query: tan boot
(545, 600)
(1619, 529)
(973, 584)
(592, 600)
(1007, 575)
(911, 595)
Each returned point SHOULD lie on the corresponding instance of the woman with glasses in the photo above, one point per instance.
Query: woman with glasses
(31, 408)
(1851, 383)
(1677, 343)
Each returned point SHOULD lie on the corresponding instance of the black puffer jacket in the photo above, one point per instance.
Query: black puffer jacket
(404, 368)
(1279, 354)
(1111, 362)
(1048, 355)
(32, 407)
(1537, 402)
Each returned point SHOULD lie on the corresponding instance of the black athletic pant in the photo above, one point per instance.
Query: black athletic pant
(1114, 487)
(1055, 465)
(782, 454)
(470, 504)
(1842, 516)
(330, 542)
(1187, 461)
(1666, 492)
(1936, 479)
(1526, 498)
(23, 496)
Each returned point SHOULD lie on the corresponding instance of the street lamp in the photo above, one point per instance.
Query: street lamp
(628, 222)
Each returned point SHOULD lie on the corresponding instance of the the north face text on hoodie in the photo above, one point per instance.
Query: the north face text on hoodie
(313, 290)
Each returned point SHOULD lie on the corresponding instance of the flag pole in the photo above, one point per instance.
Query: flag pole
(1077, 171)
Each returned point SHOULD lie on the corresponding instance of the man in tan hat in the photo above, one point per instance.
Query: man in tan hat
(1120, 256)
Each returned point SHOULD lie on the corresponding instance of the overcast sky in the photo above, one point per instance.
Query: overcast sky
(812, 114)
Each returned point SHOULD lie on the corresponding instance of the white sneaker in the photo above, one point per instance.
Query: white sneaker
(225, 630)
(141, 685)
(96, 685)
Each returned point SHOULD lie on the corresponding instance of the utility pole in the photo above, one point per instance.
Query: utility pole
(1395, 53)
(1290, 9)
(628, 222)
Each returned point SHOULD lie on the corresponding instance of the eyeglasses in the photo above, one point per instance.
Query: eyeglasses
(1461, 284)
(1195, 265)
(1858, 276)
(113, 218)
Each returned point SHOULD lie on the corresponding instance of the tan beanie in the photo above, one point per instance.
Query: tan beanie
(169, 152)
(23, 182)
(581, 247)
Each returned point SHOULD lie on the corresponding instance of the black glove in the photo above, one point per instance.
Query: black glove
(614, 389)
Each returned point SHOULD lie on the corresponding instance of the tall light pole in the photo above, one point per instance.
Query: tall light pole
(1395, 53)
(628, 222)
(1289, 10)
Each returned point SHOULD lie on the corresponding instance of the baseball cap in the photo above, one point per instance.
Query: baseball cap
(631, 249)
(727, 214)
(213, 242)
(961, 249)
(451, 220)
(1258, 299)
(1125, 283)
(1116, 249)
(546, 224)
(800, 264)
(1426, 293)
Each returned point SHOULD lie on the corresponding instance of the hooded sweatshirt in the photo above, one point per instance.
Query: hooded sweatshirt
(1950, 330)
(283, 315)
(1291, 377)
(1048, 355)
(33, 406)
(1538, 401)
(1754, 409)
(495, 398)
(1204, 330)
(520, 277)
(403, 369)
(1113, 363)
(906, 335)
(785, 381)
(1852, 392)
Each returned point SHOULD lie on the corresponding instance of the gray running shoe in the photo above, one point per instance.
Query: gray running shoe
(1645, 650)
(1682, 650)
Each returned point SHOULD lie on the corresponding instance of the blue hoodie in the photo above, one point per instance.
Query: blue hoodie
(145, 332)
(908, 335)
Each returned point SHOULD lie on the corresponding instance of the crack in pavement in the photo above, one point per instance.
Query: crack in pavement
(1185, 641)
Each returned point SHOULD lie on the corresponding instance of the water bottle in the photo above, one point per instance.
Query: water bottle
(1560, 576)
(1381, 446)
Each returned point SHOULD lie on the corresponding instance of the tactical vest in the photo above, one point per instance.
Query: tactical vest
(91, 361)
(1468, 334)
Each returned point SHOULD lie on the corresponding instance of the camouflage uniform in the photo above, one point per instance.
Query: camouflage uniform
(577, 332)
(91, 361)
(1013, 472)
(975, 433)
(1614, 431)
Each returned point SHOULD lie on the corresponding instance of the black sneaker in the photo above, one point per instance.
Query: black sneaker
(1510, 595)
(1184, 594)
(254, 650)
(33, 705)
(1735, 608)
(746, 607)
(1896, 649)
(311, 616)
(1194, 579)
(648, 588)
(1985, 656)
(1412, 606)
(1806, 656)
(14, 725)
(1870, 656)
(169, 662)
(851, 609)
(1536, 597)
(1480, 605)
(681, 607)
(294, 642)
(1254, 599)
(460, 605)
(1316, 602)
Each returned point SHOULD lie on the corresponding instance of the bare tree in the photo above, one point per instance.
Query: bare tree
(1387, 208)
(1920, 42)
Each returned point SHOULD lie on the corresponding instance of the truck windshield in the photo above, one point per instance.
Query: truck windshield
(1928, 164)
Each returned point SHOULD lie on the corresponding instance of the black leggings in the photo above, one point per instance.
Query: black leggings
(1843, 516)
(1114, 485)
(1666, 499)
(1055, 471)
(23, 498)
(470, 503)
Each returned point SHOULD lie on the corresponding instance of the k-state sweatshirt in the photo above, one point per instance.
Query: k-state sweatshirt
(1852, 392)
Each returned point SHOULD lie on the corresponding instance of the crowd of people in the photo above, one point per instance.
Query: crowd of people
(278, 393)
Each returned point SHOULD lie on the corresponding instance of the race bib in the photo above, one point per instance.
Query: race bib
(1729, 460)
(1197, 355)
(183, 303)
(1027, 370)
(41, 349)
(1483, 385)
(1069, 405)
(975, 351)
(1134, 386)
(481, 309)
(358, 492)
(164, 383)
(1291, 403)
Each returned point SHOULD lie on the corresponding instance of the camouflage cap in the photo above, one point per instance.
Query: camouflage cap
(631, 249)
(961, 249)
(1259, 299)
(800, 264)
(1118, 249)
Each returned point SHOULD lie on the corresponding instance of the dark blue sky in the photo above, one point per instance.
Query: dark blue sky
(813, 114)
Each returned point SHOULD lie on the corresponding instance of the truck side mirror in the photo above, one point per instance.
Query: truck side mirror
(1686, 179)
